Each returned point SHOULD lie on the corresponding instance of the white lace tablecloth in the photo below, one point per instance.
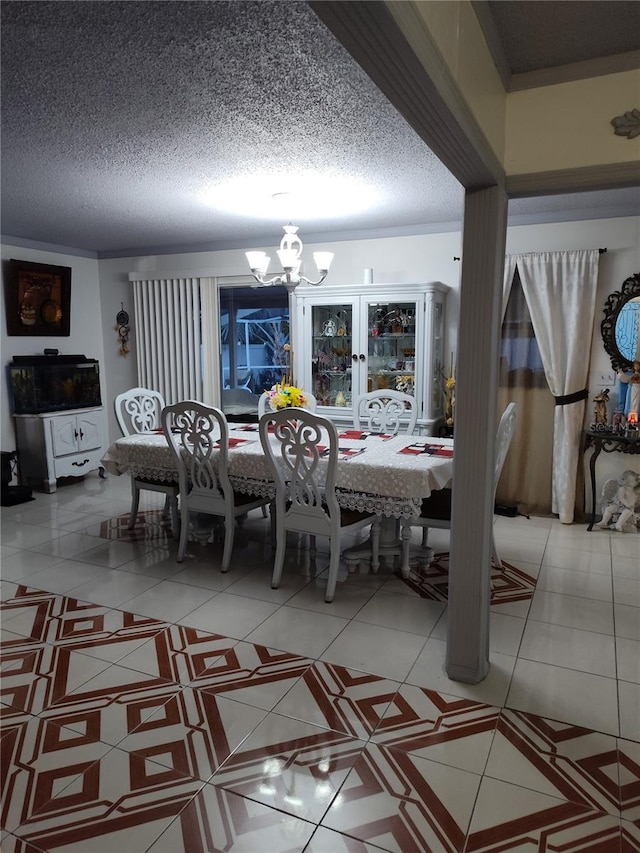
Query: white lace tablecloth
(380, 480)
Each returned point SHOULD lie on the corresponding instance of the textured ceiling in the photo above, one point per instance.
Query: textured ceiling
(539, 34)
(117, 116)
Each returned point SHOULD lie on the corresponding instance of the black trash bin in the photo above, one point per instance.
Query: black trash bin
(11, 495)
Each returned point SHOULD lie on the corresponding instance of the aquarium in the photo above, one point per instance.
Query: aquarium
(53, 383)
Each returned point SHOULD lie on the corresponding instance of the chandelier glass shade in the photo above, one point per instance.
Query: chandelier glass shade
(290, 257)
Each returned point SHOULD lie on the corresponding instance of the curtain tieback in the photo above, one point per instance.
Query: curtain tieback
(572, 398)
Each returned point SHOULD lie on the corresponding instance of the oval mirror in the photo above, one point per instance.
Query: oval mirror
(621, 325)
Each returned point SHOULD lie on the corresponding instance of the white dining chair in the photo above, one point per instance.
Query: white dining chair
(386, 411)
(263, 403)
(138, 410)
(436, 509)
(199, 438)
(302, 451)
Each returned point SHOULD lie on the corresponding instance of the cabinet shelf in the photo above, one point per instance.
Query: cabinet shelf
(392, 373)
(386, 335)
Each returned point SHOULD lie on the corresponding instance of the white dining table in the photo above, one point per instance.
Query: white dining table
(387, 476)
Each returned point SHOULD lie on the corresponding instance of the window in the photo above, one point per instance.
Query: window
(520, 360)
(254, 329)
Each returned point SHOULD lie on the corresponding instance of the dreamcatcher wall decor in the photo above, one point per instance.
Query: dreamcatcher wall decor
(122, 328)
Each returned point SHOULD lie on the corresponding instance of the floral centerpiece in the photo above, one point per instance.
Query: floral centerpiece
(449, 393)
(285, 396)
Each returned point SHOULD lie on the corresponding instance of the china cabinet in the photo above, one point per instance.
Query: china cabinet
(351, 340)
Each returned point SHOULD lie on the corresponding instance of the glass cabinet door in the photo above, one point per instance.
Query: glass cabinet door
(438, 367)
(391, 363)
(331, 352)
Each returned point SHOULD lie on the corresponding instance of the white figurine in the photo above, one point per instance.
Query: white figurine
(620, 499)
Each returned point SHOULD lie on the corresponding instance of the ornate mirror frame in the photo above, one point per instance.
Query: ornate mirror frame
(612, 307)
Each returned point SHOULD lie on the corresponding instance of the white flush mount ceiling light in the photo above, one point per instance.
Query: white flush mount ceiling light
(290, 256)
(299, 197)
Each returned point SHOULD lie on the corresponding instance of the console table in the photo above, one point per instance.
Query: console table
(610, 443)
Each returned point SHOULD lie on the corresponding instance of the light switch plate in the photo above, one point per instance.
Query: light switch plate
(606, 379)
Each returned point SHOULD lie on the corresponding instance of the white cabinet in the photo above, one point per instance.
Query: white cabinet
(350, 340)
(60, 444)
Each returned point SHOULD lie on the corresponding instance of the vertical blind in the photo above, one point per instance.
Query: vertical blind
(169, 337)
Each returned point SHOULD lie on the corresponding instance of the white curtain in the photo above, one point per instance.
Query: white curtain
(210, 311)
(560, 289)
(168, 337)
(509, 272)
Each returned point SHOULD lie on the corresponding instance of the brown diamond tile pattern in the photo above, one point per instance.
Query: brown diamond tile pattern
(35, 677)
(509, 585)
(402, 802)
(629, 767)
(39, 757)
(630, 837)
(13, 844)
(43, 617)
(151, 527)
(200, 728)
(508, 817)
(252, 673)
(34, 614)
(345, 700)
(125, 800)
(327, 841)
(290, 765)
(81, 693)
(172, 748)
(455, 731)
(559, 759)
(180, 654)
(217, 820)
(53, 653)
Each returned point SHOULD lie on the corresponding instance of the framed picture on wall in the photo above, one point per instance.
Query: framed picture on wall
(37, 299)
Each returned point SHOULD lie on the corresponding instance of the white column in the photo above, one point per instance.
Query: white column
(475, 430)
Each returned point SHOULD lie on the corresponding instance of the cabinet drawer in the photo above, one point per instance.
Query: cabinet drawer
(77, 464)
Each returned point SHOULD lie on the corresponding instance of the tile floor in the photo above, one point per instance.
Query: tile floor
(154, 706)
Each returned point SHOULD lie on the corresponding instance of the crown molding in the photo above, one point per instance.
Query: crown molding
(599, 67)
(493, 40)
(609, 176)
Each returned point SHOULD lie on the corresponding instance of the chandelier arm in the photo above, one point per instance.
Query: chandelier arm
(314, 283)
(277, 279)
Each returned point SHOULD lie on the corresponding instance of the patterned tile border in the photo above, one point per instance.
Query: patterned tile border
(151, 527)
(125, 799)
(173, 747)
(44, 617)
(563, 760)
(252, 673)
(509, 585)
(404, 803)
(217, 820)
(507, 817)
(341, 699)
(291, 766)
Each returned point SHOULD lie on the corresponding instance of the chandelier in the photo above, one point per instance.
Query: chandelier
(289, 254)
